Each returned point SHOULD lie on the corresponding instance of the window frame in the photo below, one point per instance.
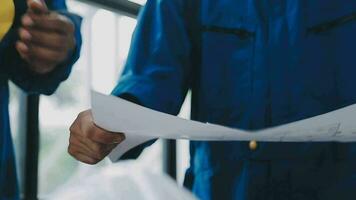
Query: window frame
(123, 7)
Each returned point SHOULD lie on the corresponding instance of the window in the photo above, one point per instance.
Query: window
(17, 110)
(106, 41)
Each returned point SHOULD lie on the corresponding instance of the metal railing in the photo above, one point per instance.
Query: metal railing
(124, 7)
(32, 148)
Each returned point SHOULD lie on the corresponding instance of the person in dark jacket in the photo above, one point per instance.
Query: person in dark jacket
(250, 65)
(38, 46)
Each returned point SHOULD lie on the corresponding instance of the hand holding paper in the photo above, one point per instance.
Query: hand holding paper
(89, 143)
(141, 124)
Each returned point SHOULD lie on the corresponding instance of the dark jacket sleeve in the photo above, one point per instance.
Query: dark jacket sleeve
(18, 71)
(136, 151)
(157, 72)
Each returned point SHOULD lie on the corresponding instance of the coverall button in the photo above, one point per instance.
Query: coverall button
(253, 145)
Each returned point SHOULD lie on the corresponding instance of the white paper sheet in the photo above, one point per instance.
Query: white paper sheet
(141, 124)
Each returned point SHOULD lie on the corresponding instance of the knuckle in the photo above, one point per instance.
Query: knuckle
(80, 119)
(72, 128)
(81, 114)
(71, 151)
(71, 140)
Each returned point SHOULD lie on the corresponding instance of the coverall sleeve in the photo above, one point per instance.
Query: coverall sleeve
(158, 66)
(31, 82)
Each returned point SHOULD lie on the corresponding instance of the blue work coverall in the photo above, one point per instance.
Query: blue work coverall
(13, 68)
(251, 65)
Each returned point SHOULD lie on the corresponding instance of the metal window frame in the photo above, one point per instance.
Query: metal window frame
(123, 7)
(32, 148)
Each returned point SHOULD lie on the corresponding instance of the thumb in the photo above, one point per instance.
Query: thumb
(37, 6)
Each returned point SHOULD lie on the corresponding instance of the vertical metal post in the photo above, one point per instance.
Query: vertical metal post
(32, 148)
(170, 158)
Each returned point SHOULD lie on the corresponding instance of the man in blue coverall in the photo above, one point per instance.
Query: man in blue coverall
(250, 65)
(38, 46)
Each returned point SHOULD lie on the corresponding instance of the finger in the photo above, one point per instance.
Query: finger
(25, 35)
(85, 124)
(99, 135)
(85, 159)
(37, 6)
(75, 141)
(53, 22)
(46, 55)
(40, 66)
(100, 149)
(27, 21)
(95, 150)
(80, 137)
(50, 40)
(77, 154)
(22, 48)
